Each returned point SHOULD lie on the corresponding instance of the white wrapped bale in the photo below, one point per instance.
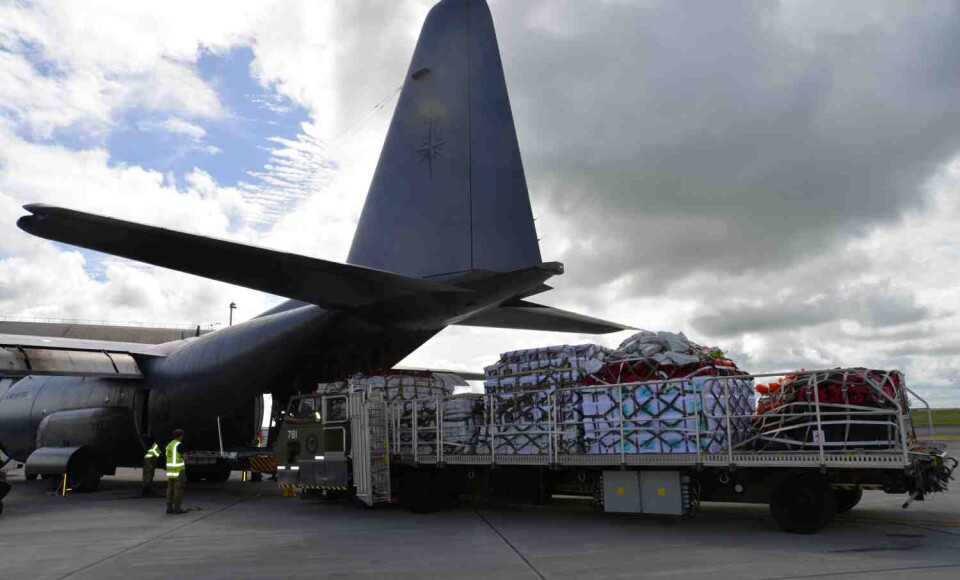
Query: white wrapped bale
(666, 417)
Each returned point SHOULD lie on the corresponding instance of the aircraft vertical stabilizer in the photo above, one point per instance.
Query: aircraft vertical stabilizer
(449, 194)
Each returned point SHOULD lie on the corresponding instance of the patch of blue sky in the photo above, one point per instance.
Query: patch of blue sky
(33, 53)
(230, 147)
(234, 149)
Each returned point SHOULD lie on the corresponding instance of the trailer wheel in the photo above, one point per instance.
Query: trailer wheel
(419, 492)
(803, 504)
(847, 499)
(217, 474)
(221, 475)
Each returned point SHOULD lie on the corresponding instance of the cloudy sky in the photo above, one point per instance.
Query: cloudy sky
(781, 179)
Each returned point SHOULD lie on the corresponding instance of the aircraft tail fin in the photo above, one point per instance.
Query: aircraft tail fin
(449, 194)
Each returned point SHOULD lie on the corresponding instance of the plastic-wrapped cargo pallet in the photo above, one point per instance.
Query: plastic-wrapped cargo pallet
(463, 416)
(520, 386)
(683, 402)
(462, 413)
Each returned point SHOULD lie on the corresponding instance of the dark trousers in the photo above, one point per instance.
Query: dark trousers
(149, 465)
(175, 487)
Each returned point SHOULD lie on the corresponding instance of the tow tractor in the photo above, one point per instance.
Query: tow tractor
(361, 447)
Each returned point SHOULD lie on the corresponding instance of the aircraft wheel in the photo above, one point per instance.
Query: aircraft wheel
(85, 477)
(31, 477)
(803, 504)
(847, 499)
(1, 508)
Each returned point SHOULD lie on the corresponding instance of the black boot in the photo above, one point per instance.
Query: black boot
(147, 492)
(169, 508)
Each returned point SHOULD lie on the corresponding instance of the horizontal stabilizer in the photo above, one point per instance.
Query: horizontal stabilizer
(445, 373)
(523, 315)
(321, 282)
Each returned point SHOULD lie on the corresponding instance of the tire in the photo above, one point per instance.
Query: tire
(31, 477)
(419, 492)
(82, 477)
(212, 475)
(803, 504)
(1, 508)
(219, 476)
(847, 499)
(358, 503)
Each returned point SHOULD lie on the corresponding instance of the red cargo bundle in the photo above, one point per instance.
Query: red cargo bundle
(642, 370)
(657, 356)
(838, 409)
(865, 387)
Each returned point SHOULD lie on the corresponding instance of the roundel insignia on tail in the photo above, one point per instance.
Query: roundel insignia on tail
(431, 144)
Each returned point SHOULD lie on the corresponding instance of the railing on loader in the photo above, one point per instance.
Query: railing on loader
(421, 433)
(368, 435)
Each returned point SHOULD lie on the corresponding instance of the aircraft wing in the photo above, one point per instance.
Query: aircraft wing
(39, 355)
(321, 282)
(523, 315)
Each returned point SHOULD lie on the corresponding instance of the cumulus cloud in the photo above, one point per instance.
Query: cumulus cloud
(181, 127)
(724, 138)
(875, 305)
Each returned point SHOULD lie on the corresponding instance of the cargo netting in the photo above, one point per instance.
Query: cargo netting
(657, 393)
(840, 409)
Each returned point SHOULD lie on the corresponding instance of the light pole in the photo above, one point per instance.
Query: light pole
(233, 306)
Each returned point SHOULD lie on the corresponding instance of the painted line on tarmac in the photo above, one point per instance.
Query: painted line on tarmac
(852, 572)
(156, 537)
(507, 542)
(901, 522)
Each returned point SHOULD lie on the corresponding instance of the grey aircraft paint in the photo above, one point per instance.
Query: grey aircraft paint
(446, 237)
(450, 182)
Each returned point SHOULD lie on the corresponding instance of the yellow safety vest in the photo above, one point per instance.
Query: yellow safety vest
(152, 452)
(175, 463)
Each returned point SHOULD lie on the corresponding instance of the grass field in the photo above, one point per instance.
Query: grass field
(940, 417)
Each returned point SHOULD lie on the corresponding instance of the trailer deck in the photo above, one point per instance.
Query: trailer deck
(809, 460)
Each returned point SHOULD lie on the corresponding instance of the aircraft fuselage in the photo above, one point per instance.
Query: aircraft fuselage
(220, 374)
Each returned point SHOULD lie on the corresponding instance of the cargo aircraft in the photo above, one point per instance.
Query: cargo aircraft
(446, 237)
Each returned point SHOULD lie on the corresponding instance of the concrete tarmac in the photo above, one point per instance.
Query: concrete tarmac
(244, 530)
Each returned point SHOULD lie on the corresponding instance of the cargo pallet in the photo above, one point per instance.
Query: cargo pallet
(380, 454)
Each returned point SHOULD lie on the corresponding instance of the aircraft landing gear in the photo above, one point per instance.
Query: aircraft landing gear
(83, 475)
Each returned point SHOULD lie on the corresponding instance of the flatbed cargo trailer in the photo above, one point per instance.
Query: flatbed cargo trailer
(360, 446)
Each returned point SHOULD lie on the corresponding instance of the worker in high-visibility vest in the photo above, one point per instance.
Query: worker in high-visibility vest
(176, 474)
(149, 465)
